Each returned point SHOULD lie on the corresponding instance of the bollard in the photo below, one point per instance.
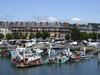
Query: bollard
(98, 57)
(84, 49)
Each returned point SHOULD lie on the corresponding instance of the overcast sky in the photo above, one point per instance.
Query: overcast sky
(72, 11)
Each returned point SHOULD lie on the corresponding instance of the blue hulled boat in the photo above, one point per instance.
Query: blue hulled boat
(83, 56)
(62, 59)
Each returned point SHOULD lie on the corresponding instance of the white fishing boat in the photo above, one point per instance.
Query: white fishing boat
(37, 50)
(67, 52)
(24, 54)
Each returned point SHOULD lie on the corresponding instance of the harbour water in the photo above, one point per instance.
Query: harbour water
(83, 67)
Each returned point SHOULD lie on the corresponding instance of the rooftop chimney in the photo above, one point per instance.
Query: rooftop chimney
(7, 22)
(40, 23)
(0, 23)
(64, 23)
(21, 23)
(11, 23)
(26, 23)
(46, 23)
(67, 24)
(35, 24)
(16, 23)
(55, 23)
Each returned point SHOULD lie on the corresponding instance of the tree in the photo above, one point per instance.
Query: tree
(1, 36)
(75, 33)
(26, 34)
(8, 36)
(31, 36)
(90, 35)
(23, 37)
(67, 36)
(94, 35)
(59, 36)
(84, 35)
(98, 35)
(55, 35)
(45, 34)
(15, 36)
(19, 36)
(38, 35)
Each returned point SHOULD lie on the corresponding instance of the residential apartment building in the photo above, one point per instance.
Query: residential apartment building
(58, 28)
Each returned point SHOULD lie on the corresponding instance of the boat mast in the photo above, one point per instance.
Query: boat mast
(49, 51)
(24, 54)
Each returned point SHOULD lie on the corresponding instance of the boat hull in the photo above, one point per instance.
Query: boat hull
(85, 58)
(74, 59)
(59, 61)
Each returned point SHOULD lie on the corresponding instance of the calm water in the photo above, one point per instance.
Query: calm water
(84, 67)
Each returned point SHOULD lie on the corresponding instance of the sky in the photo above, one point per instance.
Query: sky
(71, 11)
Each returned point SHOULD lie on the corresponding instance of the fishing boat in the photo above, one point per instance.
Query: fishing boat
(84, 57)
(58, 58)
(53, 53)
(37, 50)
(67, 52)
(74, 58)
(23, 56)
(62, 59)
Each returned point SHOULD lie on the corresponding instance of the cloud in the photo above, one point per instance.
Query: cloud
(43, 18)
(73, 20)
(7, 17)
(1, 18)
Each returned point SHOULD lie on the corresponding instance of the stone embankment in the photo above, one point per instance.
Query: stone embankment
(8, 46)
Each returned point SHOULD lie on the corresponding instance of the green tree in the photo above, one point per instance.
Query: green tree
(45, 34)
(38, 35)
(84, 35)
(67, 36)
(23, 37)
(20, 35)
(15, 36)
(26, 34)
(55, 35)
(1, 36)
(75, 34)
(94, 35)
(98, 35)
(90, 35)
(59, 36)
(31, 36)
(8, 36)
